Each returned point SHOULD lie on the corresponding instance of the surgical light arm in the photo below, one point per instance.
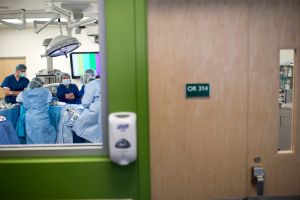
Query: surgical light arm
(90, 20)
(53, 18)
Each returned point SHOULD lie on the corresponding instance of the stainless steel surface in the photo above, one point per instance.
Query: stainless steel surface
(257, 159)
(258, 179)
(49, 76)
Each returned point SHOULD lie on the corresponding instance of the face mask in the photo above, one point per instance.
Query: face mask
(22, 74)
(66, 81)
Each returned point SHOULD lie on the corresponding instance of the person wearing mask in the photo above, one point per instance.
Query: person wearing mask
(68, 92)
(87, 127)
(36, 101)
(14, 84)
(82, 123)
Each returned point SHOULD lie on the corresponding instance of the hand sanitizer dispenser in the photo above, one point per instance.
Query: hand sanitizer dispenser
(122, 137)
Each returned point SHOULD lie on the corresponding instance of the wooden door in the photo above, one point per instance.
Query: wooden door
(273, 25)
(198, 146)
(7, 66)
(203, 148)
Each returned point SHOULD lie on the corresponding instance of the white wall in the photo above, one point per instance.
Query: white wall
(287, 56)
(29, 44)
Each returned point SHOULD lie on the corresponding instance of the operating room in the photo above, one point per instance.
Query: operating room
(50, 74)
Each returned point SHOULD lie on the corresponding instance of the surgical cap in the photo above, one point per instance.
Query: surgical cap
(35, 83)
(64, 75)
(91, 72)
(20, 67)
(85, 78)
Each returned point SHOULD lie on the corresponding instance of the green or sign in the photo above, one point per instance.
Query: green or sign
(197, 90)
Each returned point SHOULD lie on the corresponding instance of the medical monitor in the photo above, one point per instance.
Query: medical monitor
(81, 61)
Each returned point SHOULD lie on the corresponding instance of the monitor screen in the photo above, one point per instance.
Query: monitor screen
(81, 61)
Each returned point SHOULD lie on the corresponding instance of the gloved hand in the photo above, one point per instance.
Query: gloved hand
(84, 79)
(81, 80)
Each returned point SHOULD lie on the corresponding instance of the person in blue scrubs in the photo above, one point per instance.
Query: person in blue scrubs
(14, 84)
(36, 100)
(68, 92)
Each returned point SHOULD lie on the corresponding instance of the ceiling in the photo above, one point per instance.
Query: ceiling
(35, 9)
(25, 4)
(41, 4)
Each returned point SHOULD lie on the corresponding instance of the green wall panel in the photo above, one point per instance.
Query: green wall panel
(66, 178)
(142, 98)
(121, 55)
(97, 177)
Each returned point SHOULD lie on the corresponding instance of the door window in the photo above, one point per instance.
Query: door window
(285, 99)
(61, 105)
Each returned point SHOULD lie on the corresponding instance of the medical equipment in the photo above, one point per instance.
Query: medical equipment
(80, 60)
(4, 105)
(52, 88)
(49, 75)
(73, 113)
(122, 137)
(61, 45)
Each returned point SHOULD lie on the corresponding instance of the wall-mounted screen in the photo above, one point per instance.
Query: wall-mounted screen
(81, 61)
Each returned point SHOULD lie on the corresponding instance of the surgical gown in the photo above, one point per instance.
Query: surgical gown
(7, 133)
(68, 116)
(88, 125)
(38, 128)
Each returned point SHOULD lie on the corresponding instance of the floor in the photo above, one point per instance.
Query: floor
(273, 198)
(266, 198)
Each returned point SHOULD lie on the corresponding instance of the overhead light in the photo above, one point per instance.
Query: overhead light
(14, 21)
(16, 25)
(61, 45)
(31, 20)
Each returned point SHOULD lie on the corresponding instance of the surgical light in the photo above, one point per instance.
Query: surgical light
(61, 45)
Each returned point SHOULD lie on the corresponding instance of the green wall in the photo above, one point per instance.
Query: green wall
(96, 176)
